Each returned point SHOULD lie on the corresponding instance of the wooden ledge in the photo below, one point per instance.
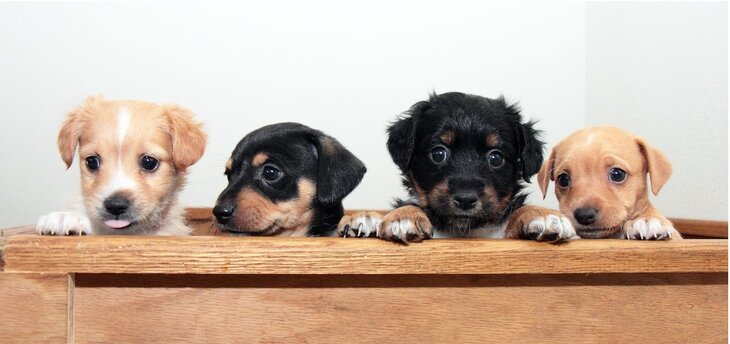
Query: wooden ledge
(237, 255)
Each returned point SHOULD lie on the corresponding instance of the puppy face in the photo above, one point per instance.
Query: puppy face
(463, 157)
(600, 176)
(281, 178)
(133, 156)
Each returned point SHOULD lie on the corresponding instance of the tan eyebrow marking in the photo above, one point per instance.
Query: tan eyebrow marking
(492, 140)
(259, 159)
(447, 137)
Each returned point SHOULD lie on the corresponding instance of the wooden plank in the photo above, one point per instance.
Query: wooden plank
(633, 308)
(272, 255)
(703, 228)
(34, 308)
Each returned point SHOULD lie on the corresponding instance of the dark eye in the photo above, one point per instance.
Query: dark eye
(271, 173)
(617, 175)
(149, 163)
(564, 180)
(439, 155)
(495, 157)
(93, 163)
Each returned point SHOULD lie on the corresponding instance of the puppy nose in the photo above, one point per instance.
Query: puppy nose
(586, 216)
(116, 205)
(465, 201)
(223, 213)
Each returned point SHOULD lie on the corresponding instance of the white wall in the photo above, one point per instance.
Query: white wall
(347, 69)
(660, 71)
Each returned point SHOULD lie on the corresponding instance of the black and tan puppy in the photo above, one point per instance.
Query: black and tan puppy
(463, 159)
(286, 179)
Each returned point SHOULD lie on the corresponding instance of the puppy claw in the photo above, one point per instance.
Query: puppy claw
(550, 228)
(63, 223)
(405, 224)
(360, 224)
(651, 228)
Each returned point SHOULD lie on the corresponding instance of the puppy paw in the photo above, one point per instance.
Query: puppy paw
(540, 224)
(650, 228)
(63, 223)
(361, 224)
(405, 224)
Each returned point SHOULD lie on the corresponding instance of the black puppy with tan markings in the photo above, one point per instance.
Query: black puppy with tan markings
(463, 159)
(286, 179)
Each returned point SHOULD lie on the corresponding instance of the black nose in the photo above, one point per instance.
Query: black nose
(586, 216)
(223, 213)
(465, 201)
(116, 205)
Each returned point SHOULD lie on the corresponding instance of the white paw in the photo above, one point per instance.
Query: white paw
(405, 224)
(63, 223)
(553, 228)
(650, 228)
(360, 224)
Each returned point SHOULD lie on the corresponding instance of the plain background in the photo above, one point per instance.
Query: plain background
(657, 69)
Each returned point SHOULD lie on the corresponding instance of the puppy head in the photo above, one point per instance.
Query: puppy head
(600, 176)
(463, 156)
(280, 175)
(133, 156)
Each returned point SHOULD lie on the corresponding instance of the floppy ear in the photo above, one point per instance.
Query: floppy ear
(339, 171)
(531, 152)
(657, 164)
(188, 137)
(402, 136)
(546, 173)
(68, 137)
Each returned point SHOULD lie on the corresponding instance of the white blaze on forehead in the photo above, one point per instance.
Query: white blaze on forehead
(120, 181)
(590, 138)
(122, 124)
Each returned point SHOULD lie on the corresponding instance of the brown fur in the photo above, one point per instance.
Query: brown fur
(492, 140)
(412, 216)
(259, 159)
(289, 218)
(587, 155)
(447, 137)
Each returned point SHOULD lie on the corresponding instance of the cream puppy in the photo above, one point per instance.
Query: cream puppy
(133, 157)
(600, 176)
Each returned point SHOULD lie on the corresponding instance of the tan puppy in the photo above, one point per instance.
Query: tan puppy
(133, 156)
(600, 176)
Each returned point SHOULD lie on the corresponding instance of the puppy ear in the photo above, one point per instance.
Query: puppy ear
(546, 173)
(68, 137)
(531, 153)
(188, 137)
(339, 171)
(657, 164)
(402, 136)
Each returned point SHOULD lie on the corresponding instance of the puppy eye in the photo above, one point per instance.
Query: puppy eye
(439, 155)
(496, 158)
(563, 180)
(93, 163)
(149, 163)
(617, 175)
(271, 173)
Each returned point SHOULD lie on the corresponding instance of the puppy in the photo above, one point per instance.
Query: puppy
(134, 157)
(463, 159)
(286, 179)
(600, 176)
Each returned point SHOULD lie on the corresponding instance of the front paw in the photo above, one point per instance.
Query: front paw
(540, 224)
(405, 224)
(63, 223)
(361, 224)
(650, 228)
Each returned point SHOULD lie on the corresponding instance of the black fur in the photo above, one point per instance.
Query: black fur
(300, 152)
(472, 119)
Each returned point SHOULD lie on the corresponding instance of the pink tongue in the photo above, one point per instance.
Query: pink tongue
(116, 224)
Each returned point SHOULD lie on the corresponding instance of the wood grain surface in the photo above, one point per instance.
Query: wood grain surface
(267, 255)
(615, 308)
(34, 308)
